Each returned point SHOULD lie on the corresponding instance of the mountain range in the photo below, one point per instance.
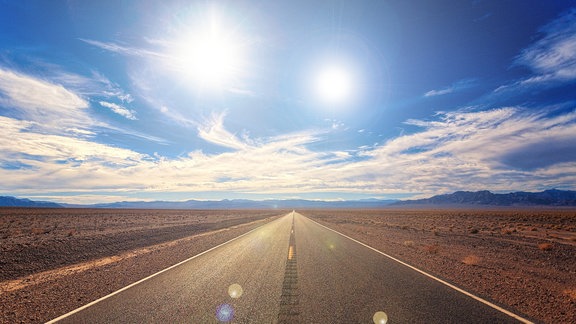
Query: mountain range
(478, 198)
(243, 204)
(17, 202)
(545, 198)
(207, 204)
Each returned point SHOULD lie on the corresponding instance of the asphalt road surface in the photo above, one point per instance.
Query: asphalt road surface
(291, 270)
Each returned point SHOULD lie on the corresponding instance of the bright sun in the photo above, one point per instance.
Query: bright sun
(211, 55)
(334, 84)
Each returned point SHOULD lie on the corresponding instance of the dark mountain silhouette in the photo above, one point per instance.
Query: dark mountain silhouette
(545, 198)
(16, 202)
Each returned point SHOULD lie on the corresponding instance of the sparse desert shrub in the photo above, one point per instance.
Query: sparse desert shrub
(409, 243)
(545, 246)
(38, 231)
(570, 293)
(472, 260)
(432, 249)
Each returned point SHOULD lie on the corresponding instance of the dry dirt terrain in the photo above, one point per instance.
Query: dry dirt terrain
(55, 260)
(523, 259)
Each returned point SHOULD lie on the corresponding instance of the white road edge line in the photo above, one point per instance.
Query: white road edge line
(150, 276)
(484, 301)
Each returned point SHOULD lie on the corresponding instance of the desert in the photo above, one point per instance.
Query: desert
(55, 260)
(522, 259)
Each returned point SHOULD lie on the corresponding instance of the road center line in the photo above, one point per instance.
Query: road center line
(289, 300)
(480, 299)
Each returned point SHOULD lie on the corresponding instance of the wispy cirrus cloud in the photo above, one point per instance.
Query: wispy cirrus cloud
(27, 92)
(455, 87)
(61, 105)
(552, 59)
(125, 50)
(459, 152)
(555, 53)
(456, 151)
(120, 110)
(213, 131)
(42, 101)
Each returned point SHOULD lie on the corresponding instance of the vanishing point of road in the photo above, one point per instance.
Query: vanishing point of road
(291, 270)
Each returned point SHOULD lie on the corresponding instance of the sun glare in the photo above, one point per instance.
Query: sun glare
(211, 55)
(334, 84)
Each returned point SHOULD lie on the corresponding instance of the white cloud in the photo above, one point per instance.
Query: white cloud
(126, 50)
(37, 97)
(471, 150)
(444, 91)
(96, 85)
(555, 54)
(20, 138)
(499, 149)
(214, 132)
(460, 85)
(552, 59)
(120, 110)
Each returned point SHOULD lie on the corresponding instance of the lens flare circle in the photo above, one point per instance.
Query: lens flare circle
(225, 313)
(380, 318)
(235, 291)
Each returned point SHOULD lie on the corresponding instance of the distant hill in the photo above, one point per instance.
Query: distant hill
(243, 204)
(545, 198)
(16, 202)
(208, 204)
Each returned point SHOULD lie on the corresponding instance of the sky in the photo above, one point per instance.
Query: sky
(104, 101)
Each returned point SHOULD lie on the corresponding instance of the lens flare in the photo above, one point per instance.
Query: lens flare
(235, 291)
(380, 318)
(225, 313)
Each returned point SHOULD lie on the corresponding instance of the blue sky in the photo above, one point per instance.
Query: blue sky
(170, 100)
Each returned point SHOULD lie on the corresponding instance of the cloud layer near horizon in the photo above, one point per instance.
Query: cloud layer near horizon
(496, 149)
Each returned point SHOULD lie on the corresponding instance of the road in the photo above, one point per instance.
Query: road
(291, 270)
